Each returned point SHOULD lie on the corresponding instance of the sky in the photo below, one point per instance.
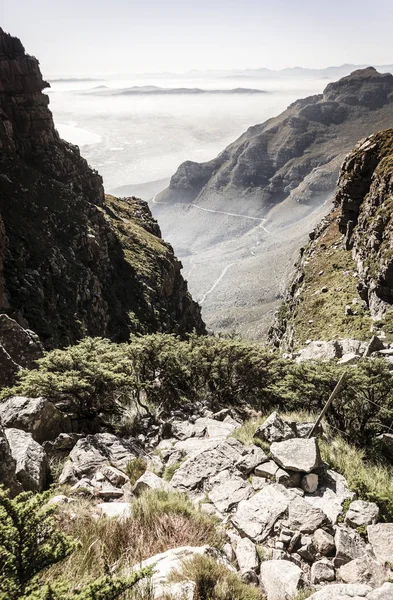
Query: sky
(92, 37)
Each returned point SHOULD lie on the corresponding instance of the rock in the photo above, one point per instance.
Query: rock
(280, 579)
(363, 570)
(305, 517)
(303, 429)
(307, 550)
(247, 559)
(322, 571)
(31, 461)
(324, 542)
(215, 429)
(256, 517)
(60, 500)
(199, 467)
(258, 483)
(8, 466)
(289, 480)
(342, 591)
(374, 345)
(274, 429)
(115, 510)
(19, 348)
(380, 537)
(361, 513)
(116, 477)
(150, 481)
(387, 442)
(309, 483)
(349, 545)
(253, 457)
(317, 350)
(182, 430)
(267, 470)
(37, 416)
(383, 593)
(331, 495)
(94, 451)
(226, 495)
(349, 359)
(297, 454)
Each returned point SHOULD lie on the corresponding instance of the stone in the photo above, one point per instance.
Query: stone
(258, 482)
(266, 470)
(31, 461)
(19, 347)
(349, 359)
(349, 545)
(115, 476)
(8, 466)
(386, 440)
(342, 591)
(319, 350)
(304, 517)
(374, 345)
(253, 457)
(37, 416)
(331, 495)
(361, 513)
(199, 467)
(150, 481)
(274, 429)
(182, 430)
(214, 429)
(60, 499)
(363, 570)
(324, 542)
(297, 454)
(309, 483)
(225, 496)
(246, 556)
(380, 537)
(280, 579)
(115, 510)
(256, 517)
(322, 571)
(289, 480)
(383, 593)
(307, 550)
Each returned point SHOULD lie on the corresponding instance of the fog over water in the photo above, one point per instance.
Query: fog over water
(136, 138)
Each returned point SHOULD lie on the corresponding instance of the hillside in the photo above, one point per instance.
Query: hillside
(252, 206)
(343, 286)
(74, 262)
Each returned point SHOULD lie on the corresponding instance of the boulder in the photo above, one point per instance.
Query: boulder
(267, 470)
(331, 495)
(182, 430)
(349, 545)
(94, 451)
(199, 467)
(115, 510)
(253, 457)
(297, 454)
(342, 591)
(150, 481)
(386, 440)
(322, 571)
(280, 579)
(289, 480)
(274, 429)
(309, 483)
(8, 466)
(114, 476)
(383, 593)
(363, 570)
(304, 517)
(211, 428)
(361, 513)
(256, 517)
(226, 493)
(318, 350)
(324, 542)
(374, 345)
(247, 559)
(37, 416)
(380, 537)
(31, 461)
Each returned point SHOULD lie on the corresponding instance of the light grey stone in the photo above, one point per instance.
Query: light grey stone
(258, 482)
(267, 470)
(115, 510)
(383, 593)
(150, 481)
(361, 513)
(37, 416)
(115, 476)
(349, 545)
(331, 495)
(280, 579)
(253, 457)
(363, 570)
(309, 483)
(8, 466)
(31, 461)
(274, 429)
(324, 542)
(182, 430)
(322, 571)
(380, 537)
(225, 496)
(246, 556)
(296, 454)
(215, 429)
(342, 591)
(304, 517)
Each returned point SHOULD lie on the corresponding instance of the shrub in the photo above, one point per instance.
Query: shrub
(135, 469)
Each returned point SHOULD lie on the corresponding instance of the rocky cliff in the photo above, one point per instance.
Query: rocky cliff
(343, 282)
(253, 205)
(72, 261)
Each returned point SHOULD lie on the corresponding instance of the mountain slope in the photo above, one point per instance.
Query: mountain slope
(343, 283)
(252, 206)
(73, 262)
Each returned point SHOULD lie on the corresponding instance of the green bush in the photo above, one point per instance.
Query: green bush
(135, 469)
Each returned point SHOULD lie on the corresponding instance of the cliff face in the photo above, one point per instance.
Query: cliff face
(343, 283)
(73, 262)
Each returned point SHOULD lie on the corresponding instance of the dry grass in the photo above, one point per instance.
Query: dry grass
(135, 469)
(245, 433)
(160, 521)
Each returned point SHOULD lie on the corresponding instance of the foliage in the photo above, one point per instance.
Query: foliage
(245, 433)
(214, 581)
(135, 469)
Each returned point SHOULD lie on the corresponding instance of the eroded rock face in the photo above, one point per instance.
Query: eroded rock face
(72, 262)
(31, 461)
(37, 416)
(19, 348)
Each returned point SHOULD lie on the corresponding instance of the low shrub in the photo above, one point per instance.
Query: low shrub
(135, 469)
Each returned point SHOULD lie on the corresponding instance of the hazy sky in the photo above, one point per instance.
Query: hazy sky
(98, 36)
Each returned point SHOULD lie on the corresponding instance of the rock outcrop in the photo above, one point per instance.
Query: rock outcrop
(72, 261)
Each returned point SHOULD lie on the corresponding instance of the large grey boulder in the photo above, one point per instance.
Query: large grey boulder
(304, 517)
(385, 592)
(227, 491)
(361, 513)
(31, 461)
(380, 537)
(274, 429)
(331, 495)
(194, 472)
(37, 416)
(150, 481)
(8, 466)
(363, 570)
(324, 542)
(253, 457)
(342, 591)
(319, 350)
(297, 454)
(94, 451)
(280, 579)
(247, 559)
(211, 428)
(322, 571)
(349, 545)
(256, 517)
